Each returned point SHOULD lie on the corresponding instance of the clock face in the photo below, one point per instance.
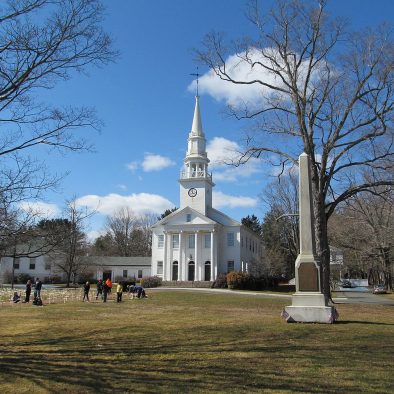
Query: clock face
(192, 192)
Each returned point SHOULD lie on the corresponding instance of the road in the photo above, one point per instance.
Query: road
(340, 297)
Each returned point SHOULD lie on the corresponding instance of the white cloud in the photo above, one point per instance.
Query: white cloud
(150, 163)
(253, 95)
(94, 234)
(154, 162)
(133, 166)
(41, 209)
(139, 203)
(221, 200)
(122, 187)
(222, 152)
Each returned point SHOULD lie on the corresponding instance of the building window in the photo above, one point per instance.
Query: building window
(47, 264)
(160, 241)
(230, 266)
(207, 240)
(175, 241)
(191, 241)
(139, 274)
(159, 268)
(32, 265)
(124, 273)
(16, 263)
(188, 217)
(230, 239)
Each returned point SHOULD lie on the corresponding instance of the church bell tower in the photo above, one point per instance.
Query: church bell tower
(195, 180)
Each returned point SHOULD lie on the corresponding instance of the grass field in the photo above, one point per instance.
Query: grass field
(193, 342)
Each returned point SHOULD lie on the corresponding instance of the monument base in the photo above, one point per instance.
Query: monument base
(309, 308)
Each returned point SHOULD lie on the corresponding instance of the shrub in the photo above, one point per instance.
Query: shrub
(7, 277)
(22, 278)
(55, 279)
(151, 281)
(220, 282)
(239, 280)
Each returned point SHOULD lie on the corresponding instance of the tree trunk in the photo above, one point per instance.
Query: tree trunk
(321, 241)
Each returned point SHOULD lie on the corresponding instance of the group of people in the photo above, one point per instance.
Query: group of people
(37, 293)
(104, 288)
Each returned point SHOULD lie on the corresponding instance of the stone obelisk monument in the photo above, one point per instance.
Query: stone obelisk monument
(308, 302)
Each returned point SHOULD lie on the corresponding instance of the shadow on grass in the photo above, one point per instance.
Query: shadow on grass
(363, 322)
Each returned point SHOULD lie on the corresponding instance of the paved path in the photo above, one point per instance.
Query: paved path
(347, 297)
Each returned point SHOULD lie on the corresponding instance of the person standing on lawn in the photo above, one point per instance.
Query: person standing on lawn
(86, 289)
(99, 291)
(119, 291)
(105, 291)
(28, 291)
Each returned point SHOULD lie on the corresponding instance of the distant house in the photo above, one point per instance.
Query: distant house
(100, 267)
(120, 268)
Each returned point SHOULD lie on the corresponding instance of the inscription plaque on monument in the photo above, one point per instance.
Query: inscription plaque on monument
(308, 277)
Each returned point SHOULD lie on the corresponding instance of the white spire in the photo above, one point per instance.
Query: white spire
(197, 125)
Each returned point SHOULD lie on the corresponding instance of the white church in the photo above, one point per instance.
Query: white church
(197, 242)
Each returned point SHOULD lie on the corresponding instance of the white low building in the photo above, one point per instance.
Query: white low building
(197, 242)
(97, 267)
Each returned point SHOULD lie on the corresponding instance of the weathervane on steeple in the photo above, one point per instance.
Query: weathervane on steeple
(196, 75)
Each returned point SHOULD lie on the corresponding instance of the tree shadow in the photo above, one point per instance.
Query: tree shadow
(375, 323)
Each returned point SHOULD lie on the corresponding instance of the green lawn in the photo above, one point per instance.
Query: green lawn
(193, 342)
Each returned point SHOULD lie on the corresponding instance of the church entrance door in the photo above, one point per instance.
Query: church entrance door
(207, 273)
(191, 270)
(175, 270)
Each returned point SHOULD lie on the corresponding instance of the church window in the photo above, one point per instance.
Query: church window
(207, 240)
(230, 239)
(139, 274)
(188, 217)
(175, 241)
(159, 268)
(230, 265)
(160, 241)
(191, 241)
(124, 274)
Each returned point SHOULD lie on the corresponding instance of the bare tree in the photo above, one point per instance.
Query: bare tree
(43, 42)
(127, 234)
(324, 90)
(364, 228)
(68, 240)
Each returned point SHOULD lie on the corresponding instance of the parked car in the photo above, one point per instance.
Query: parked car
(346, 284)
(380, 289)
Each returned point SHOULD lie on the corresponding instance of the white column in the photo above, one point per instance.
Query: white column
(165, 259)
(181, 256)
(171, 255)
(184, 260)
(212, 259)
(197, 269)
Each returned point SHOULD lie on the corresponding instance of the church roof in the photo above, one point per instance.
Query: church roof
(221, 218)
(171, 218)
(197, 124)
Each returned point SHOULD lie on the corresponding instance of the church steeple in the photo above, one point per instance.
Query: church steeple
(196, 181)
(197, 125)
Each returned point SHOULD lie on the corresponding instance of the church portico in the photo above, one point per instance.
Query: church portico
(197, 242)
(185, 246)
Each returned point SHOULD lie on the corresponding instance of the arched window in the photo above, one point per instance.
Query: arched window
(190, 274)
(175, 270)
(207, 271)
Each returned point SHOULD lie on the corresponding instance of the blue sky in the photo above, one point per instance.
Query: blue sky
(146, 103)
